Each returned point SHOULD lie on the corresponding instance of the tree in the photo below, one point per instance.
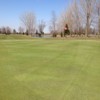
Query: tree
(0, 31)
(8, 30)
(14, 31)
(27, 32)
(3, 30)
(53, 22)
(70, 17)
(87, 12)
(41, 26)
(79, 16)
(76, 17)
(61, 22)
(21, 30)
(29, 21)
(98, 14)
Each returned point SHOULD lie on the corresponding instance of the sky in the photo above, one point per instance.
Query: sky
(12, 10)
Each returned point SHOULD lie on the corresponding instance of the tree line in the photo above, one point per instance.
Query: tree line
(82, 18)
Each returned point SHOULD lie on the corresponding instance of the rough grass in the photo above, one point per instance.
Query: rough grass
(45, 69)
(13, 37)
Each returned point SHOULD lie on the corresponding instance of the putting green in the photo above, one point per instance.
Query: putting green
(48, 69)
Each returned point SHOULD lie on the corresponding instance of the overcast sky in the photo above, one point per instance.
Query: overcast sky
(11, 10)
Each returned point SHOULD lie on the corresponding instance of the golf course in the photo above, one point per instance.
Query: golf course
(49, 69)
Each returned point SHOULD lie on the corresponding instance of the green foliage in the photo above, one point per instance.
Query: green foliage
(45, 69)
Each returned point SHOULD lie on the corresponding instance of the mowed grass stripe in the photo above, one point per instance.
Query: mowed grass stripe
(45, 69)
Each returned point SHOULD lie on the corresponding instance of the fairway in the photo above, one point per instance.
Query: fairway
(49, 69)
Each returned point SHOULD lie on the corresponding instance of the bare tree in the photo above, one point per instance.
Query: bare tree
(71, 17)
(29, 21)
(53, 22)
(0, 31)
(3, 30)
(41, 26)
(8, 30)
(79, 15)
(98, 14)
(14, 31)
(77, 18)
(21, 30)
(87, 12)
(61, 22)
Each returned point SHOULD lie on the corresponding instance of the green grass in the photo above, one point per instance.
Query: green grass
(14, 36)
(45, 69)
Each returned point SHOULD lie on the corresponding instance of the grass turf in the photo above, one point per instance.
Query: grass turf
(45, 69)
(14, 36)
